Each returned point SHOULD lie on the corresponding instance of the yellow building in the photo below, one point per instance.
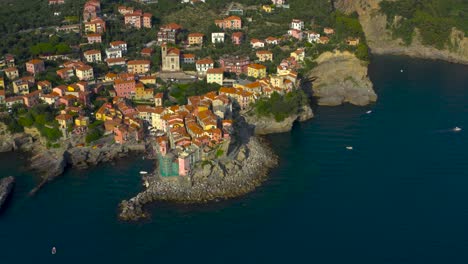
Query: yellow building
(195, 38)
(256, 70)
(267, 8)
(84, 73)
(105, 113)
(138, 66)
(82, 121)
(143, 94)
(215, 75)
(298, 54)
(264, 55)
(148, 79)
(2, 83)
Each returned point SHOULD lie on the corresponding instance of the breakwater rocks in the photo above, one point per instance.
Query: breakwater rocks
(6, 187)
(340, 78)
(268, 125)
(237, 174)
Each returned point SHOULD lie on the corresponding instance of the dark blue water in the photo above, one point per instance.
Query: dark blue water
(401, 196)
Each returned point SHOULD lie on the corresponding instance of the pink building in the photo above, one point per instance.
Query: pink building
(297, 34)
(184, 166)
(237, 38)
(232, 22)
(236, 64)
(125, 88)
(91, 9)
(35, 66)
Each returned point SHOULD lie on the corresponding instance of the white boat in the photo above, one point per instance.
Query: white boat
(456, 129)
(401, 70)
(349, 148)
(368, 112)
(143, 172)
(54, 250)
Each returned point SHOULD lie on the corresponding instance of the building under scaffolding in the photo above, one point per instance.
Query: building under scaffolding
(168, 165)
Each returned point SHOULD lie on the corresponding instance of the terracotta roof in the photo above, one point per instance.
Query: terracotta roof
(205, 61)
(138, 62)
(233, 18)
(93, 35)
(196, 35)
(172, 26)
(264, 52)
(118, 43)
(215, 71)
(188, 56)
(64, 117)
(91, 52)
(35, 61)
(257, 66)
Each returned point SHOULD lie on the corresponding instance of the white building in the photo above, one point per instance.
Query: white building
(297, 24)
(113, 53)
(217, 37)
(122, 45)
(313, 37)
(203, 65)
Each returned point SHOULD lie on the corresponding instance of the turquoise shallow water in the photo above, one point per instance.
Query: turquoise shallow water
(399, 197)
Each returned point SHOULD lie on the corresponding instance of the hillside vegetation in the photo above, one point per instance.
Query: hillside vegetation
(434, 19)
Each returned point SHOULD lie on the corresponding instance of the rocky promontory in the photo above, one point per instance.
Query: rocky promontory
(268, 125)
(6, 186)
(238, 173)
(340, 77)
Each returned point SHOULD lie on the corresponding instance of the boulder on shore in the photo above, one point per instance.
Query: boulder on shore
(6, 187)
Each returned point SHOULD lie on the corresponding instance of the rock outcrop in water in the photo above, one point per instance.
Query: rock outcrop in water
(6, 187)
(340, 77)
(380, 40)
(268, 125)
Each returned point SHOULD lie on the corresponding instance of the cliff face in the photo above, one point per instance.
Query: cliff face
(340, 78)
(380, 40)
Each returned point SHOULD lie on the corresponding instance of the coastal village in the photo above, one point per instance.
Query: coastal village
(136, 104)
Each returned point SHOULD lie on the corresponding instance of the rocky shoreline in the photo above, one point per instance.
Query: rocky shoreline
(6, 187)
(239, 173)
(51, 163)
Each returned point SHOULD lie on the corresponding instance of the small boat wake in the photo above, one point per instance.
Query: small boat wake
(455, 129)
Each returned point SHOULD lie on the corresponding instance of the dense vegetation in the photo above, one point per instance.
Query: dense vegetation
(280, 107)
(434, 19)
(40, 116)
(180, 92)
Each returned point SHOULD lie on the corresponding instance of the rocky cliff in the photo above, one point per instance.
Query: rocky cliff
(380, 40)
(268, 125)
(6, 186)
(340, 77)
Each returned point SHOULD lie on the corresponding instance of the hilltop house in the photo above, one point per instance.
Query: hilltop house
(203, 65)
